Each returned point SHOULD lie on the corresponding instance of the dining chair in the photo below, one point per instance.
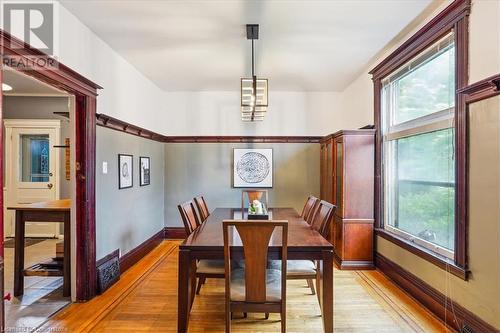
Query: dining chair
(307, 269)
(255, 287)
(309, 208)
(201, 204)
(205, 268)
(254, 195)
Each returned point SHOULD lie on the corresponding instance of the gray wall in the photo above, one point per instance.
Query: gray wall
(194, 169)
(126, 218)
(31, 107)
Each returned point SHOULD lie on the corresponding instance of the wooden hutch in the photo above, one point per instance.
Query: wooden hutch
(347, 181)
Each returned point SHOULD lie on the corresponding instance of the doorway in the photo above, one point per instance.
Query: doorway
(39, 126)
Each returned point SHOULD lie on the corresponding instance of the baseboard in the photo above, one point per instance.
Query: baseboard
(432, 299)
(130, 258)
(175, 233)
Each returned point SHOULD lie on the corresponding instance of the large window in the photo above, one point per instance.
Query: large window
(418, 107)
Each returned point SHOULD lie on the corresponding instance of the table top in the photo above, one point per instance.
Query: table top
(56, 205)
(300, 235)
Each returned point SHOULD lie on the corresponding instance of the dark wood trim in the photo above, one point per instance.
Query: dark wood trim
(452, 18)
(441, 262)
(439, 26)
(133, 256)
(85, 92)
(480, 90)
(243, 139)
(175, 233)
(122, 126)
(441, 305)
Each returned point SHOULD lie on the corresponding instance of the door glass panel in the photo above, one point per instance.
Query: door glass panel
(34, 158)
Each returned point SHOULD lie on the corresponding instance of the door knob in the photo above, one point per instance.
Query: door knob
(50, 185)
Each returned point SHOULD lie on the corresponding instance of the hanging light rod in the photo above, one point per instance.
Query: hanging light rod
(253, 104)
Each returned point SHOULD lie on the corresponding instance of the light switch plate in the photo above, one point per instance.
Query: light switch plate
(104, 168)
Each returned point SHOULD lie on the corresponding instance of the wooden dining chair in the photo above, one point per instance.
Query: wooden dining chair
(309, 208)
(306, 269)
(189, 216)
(252, 195)
(205, 269)
(203, 211)
(254, 287)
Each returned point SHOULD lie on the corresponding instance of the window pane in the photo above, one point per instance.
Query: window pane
(426, 89)
(420, 176)
(34, 158)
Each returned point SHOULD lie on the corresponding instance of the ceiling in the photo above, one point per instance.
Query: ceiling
(24, 85)
(201, 45)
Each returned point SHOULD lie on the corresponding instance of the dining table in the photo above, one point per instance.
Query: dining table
(206, 242)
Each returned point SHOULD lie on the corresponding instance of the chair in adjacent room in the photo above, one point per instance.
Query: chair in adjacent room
(306, 269)
(254, 287)
(205, 269)
(309, 208)
(203, 211)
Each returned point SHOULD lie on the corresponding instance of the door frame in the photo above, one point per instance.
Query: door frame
(9, 126)
(85, 94)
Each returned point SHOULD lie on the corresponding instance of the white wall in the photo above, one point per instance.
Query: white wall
(218, 113)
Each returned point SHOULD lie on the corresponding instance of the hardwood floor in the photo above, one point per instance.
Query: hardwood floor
(145, 299)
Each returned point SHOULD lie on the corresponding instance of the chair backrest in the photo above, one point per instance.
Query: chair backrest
(189, 217)
(252, 195)
(323, 218)
(255, 236)
(309, 208)
(202, 208)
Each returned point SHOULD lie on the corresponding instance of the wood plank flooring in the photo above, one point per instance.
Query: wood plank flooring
(145, 300)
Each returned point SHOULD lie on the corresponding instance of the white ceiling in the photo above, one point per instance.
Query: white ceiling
(201, 45)
(24, 85)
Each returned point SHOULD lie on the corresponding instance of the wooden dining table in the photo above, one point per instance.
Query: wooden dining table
(57, 211)
(206, 242)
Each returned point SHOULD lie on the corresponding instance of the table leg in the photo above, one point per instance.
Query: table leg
(67, 255)
(327, 291)
(186, 289)
(19, 254)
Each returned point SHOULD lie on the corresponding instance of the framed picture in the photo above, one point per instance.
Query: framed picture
(253, 167)
(144, 172)
(125, 171)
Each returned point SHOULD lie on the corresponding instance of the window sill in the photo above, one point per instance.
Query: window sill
(440, 261)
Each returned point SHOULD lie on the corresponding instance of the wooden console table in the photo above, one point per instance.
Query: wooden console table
(57, 211)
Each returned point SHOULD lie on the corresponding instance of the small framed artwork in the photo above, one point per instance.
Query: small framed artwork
(125, 171)
(253, 167)
(145, 172)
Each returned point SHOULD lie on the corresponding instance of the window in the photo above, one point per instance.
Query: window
(34, 158)
(417, 114)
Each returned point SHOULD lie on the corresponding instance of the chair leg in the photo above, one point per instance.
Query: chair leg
(245, 315)
(267, 315)
(310, 283)
(229, 316)
(201, 281)
(283, 320)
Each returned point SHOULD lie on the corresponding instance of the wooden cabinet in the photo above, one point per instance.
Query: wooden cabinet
(347, 180)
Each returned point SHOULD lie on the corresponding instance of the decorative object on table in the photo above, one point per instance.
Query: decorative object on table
(257, 211)
(253, 90)
(253, 167)
(257, 204)
(145, 174)
(125, 171)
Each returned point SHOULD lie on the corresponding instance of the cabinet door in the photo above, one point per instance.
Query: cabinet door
(329, 172)
(338, 176)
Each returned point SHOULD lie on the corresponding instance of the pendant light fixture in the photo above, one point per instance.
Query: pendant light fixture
(253, 90)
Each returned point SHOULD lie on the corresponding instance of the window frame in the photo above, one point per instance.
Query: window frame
(453, 18)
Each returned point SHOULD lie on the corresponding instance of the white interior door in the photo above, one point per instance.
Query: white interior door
(32, 169)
